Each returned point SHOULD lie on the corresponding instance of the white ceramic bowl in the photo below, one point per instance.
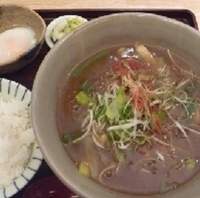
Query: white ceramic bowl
(55, 22)
(8, 90)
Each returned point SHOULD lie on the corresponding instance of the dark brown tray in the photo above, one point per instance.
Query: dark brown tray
(185, 16)
(26, 75)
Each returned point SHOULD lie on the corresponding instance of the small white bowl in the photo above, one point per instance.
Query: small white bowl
(8, 90)
(55, 22)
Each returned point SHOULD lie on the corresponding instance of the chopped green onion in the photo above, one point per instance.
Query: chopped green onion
(140, 140)
(118, 134)
(82, 98)
(161, 114)
(113, 109)
(86, 87)
(65, 139)
(109, 139)
(119, 155)
(68, 138)
(191, 107)
(190, 162)
(100, 111)
(126, 113)
(84, 169)
(120, 98)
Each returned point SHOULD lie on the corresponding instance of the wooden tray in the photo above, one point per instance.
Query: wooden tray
(26, 75)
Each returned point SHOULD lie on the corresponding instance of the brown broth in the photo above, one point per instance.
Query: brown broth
(144, 171)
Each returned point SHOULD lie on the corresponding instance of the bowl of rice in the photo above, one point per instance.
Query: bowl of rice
(20, 156)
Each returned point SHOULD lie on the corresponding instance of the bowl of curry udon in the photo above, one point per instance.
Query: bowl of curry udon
(116, 108)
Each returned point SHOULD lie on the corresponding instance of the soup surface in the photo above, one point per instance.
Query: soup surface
(129, 118)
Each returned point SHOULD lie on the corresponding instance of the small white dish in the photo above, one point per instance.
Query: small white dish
(63, 22)
(8, 90)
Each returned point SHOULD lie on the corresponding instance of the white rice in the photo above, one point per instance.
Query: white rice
(16, 139)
